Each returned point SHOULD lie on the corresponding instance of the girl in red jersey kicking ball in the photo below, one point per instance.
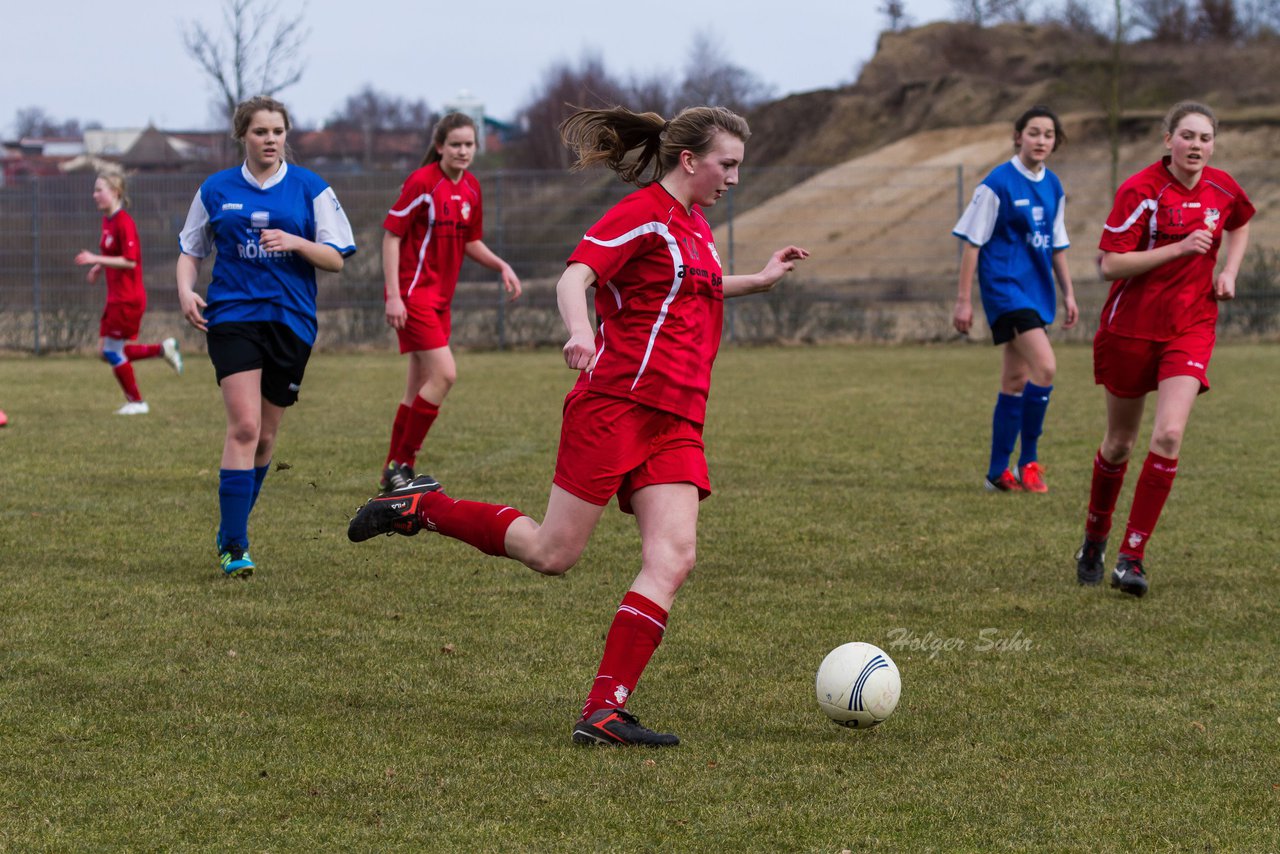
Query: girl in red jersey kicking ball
(1159, 249)
(121, 258)
(633, 422)
(437, 219)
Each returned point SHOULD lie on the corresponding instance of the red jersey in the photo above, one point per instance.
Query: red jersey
(1153, 209)
(120, 240)
(435, 219)
(659, 303)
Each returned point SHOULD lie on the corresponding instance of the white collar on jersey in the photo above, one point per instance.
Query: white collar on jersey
(1027, 173)
(270, 182)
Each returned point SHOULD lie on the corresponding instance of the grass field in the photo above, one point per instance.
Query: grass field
(414, 695)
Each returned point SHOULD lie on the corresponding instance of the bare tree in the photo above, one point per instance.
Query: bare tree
(371, 110)
(1079, 16)
(710, 78)
(563, 89)
(1218, 20)
(1115, 108)
(35, 122)
(257, 52)
(895, 14)
(1168, 21)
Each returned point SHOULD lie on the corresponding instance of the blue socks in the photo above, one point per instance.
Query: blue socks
(1035, 400)
(236, 490)
(1006, 423)
(259, 475)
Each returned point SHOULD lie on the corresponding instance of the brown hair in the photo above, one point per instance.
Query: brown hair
(1182, 109)
(245, 111)
(447, 124)
(115, 180)
(610, 136)
(1039, 111)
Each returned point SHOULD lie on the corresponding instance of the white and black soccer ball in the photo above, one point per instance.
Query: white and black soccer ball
(858, 685)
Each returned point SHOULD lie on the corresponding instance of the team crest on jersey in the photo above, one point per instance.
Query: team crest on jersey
(1037, 213)
(1211, 216)
(466, 211)
(714, 253)
(107, 240)
(259, 219)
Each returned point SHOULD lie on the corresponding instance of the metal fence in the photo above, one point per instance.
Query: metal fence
(883, 269)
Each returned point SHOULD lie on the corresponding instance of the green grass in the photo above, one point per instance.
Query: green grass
(415, 695)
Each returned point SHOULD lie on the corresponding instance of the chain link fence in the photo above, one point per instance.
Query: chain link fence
(884, 264)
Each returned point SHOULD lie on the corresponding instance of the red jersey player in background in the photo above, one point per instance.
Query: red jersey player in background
(437, 219)
(633, 422)
(121, 259)
(1159, 249)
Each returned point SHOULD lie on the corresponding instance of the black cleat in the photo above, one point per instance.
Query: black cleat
(1091, 561)
(619, 728)
(1129, 576)
(393, 513)
(396, 476)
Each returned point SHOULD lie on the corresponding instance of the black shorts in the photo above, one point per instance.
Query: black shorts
(1011, 324)
(262, 345)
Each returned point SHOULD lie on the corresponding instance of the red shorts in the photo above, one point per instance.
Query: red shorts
(425, 328)
(1132, 367)
(122, 320)
(611, 446)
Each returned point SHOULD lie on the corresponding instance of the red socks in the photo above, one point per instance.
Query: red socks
(1103, 492)
(124, 376)
(397, 433)
(422, 414)
(133, 352)
(483, 526)
(1154, 485)
(637, 630)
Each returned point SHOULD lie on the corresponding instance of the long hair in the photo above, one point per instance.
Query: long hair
(115, 180)
(1039, 111)
(1182, 109)
(448, 123)
(643, 147)
(246, 109)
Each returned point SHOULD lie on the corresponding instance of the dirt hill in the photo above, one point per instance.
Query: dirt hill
(932, 113)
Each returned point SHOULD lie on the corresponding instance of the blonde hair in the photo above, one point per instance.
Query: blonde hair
(447, 124)
(1182, 109)
(115, 180)
(610, 136)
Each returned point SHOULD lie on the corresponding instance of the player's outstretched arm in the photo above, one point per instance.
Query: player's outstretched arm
(779, 264)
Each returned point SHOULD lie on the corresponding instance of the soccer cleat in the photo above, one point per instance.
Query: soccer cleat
(619, 728)
(1129, 576)
(393, 513)
(396, 476)
(1006, 482)
(171, 354)
(134, 407)
(233, 559)
(1031, 478)
(1091, 561)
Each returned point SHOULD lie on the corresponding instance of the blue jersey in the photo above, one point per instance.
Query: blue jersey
(228, 214)
(1018, 218)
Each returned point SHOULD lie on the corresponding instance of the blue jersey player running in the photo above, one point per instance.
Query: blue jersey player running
(271, 224)
(1015, 239)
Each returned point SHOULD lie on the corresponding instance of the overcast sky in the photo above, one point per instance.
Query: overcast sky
(123, 63)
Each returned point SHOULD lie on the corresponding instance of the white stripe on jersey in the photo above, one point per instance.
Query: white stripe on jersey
(430, 202)
(1145, 205)
(677, 260)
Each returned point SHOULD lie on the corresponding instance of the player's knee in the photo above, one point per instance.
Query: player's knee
(1167, 441)
(244, 433)
(553, 561)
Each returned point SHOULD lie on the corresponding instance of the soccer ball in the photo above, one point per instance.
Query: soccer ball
(858, 685)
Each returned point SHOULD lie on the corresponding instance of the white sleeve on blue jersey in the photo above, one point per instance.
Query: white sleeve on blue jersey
(1060, 240)
(332, 226)
(196, 238)
(979, 219)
